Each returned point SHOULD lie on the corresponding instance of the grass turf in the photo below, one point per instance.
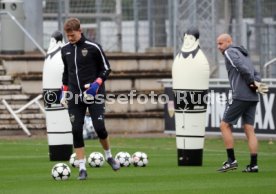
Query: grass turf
(25, 168)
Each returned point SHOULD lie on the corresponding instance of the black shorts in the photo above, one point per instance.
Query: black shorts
(244, 109)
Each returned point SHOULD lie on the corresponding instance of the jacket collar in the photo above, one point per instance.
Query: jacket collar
(81, 40)
(239, 48)
(227, 48)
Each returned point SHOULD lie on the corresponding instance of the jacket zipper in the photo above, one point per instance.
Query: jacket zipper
(77, 72)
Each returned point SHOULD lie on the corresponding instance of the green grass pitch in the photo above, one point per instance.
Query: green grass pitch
(25, 168)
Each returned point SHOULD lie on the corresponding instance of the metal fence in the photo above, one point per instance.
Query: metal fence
(141, 25)
(203, 15)
(119, 25)
(144, 25)
(261, 42)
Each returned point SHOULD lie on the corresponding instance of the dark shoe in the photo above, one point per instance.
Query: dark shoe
(251, 168)
(82, 175)
(229, 166)
(115, 165)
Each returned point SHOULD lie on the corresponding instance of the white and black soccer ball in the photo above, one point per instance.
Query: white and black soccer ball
(61, 171)
(140, 159)
(96, 159)
(123, 158)
(74, 162)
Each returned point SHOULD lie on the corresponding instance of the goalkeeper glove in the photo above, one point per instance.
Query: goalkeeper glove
(260, 87)
(63, 99)
(92, 89)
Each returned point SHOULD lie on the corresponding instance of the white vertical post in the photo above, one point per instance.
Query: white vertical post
(175, 23)
(136, 25)
(98, 20)
(119, 24)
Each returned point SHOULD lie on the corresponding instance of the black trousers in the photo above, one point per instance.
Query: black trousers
(77, 111)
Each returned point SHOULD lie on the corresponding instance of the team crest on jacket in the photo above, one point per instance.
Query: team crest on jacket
(84, 52)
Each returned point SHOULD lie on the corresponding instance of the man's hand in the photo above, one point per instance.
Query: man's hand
(92, 89)
(63, 95)
(260, 87)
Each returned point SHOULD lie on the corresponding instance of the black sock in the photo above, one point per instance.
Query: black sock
(253, 161)
(231, 154)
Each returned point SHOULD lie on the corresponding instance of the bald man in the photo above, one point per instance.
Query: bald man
(245, 84)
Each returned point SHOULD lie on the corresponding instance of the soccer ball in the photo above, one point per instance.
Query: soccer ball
(140, 159)
(61, 171)
(123, 158)
(74, 162)
(96, 159)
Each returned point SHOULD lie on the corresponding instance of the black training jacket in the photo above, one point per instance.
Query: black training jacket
(84, 62)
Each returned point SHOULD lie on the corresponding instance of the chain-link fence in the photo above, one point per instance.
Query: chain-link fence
(119, 25)
(144, 25)
(98, 18)
(251, 24)
(201, 14)
(261, 41)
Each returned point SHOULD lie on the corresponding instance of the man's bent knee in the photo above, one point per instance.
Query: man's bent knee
(224, 125)
(100, 129)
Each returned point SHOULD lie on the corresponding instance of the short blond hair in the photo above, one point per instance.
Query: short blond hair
(71, 24)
